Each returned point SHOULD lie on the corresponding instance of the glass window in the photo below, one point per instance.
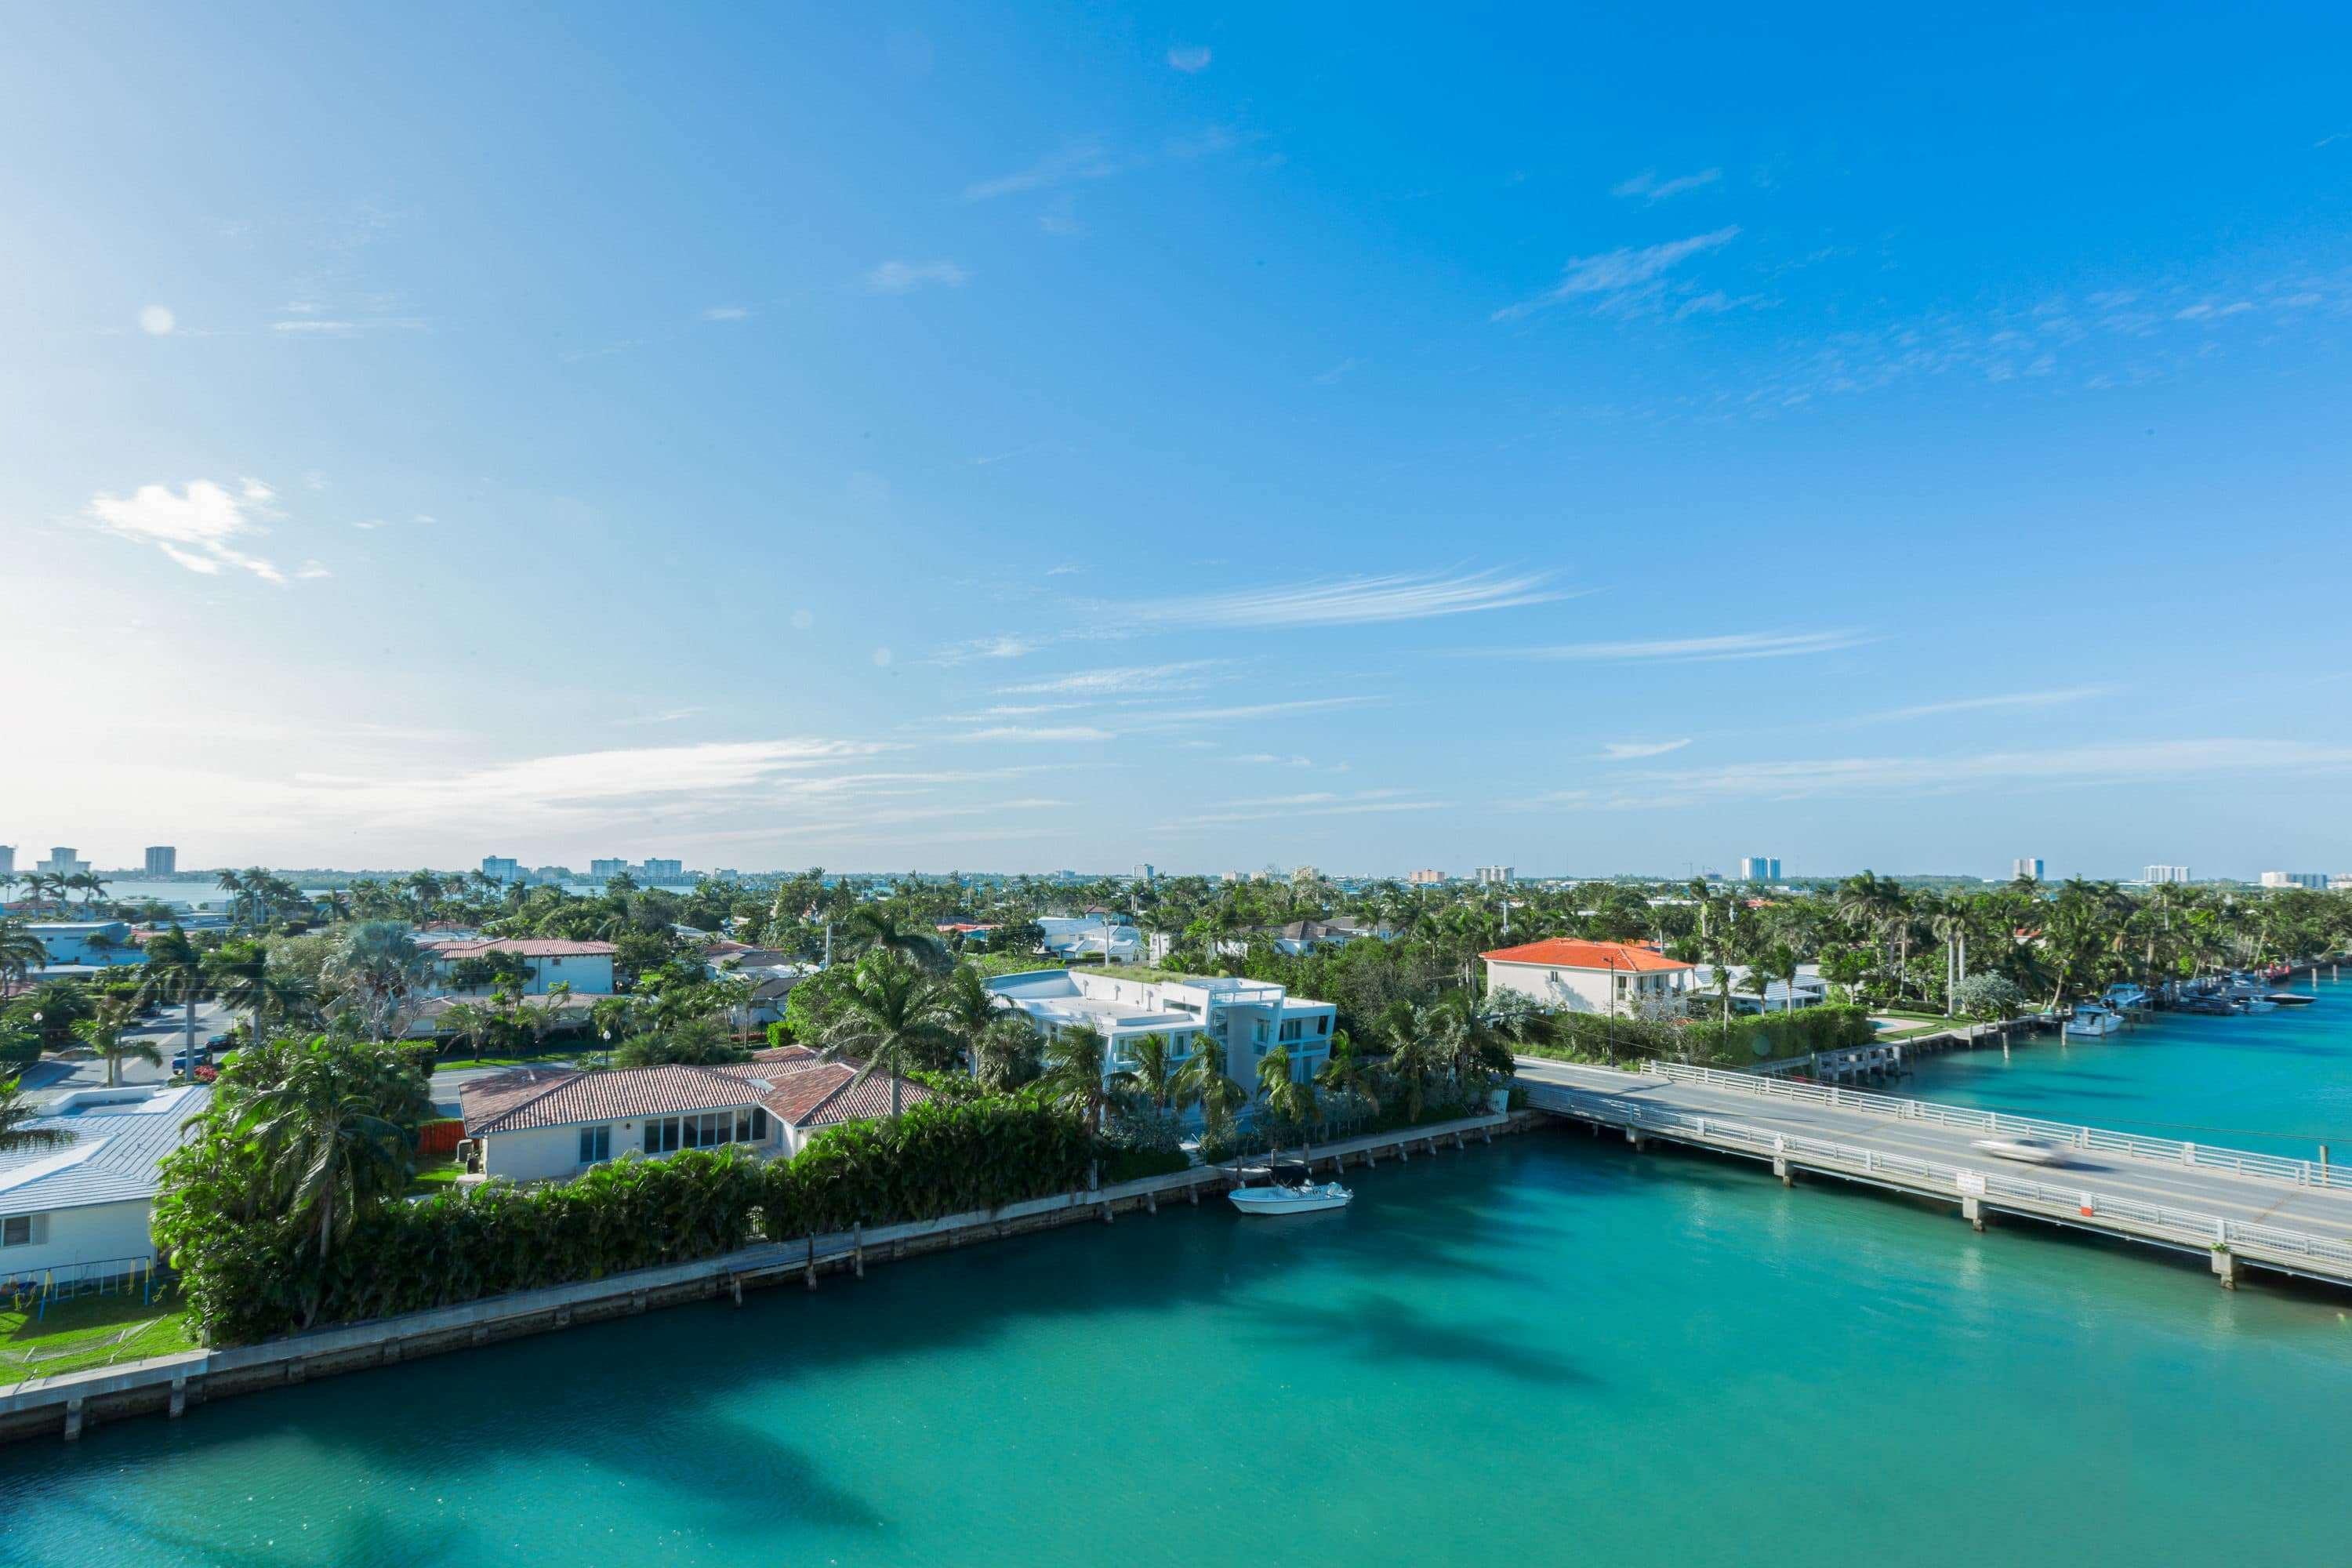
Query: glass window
(17, 1230)
(1322, 1023)
(759, 1124)
(595, 1145)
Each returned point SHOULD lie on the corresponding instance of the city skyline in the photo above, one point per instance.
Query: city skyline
(1322, 437)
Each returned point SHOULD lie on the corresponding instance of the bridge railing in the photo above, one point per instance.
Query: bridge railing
(2131, 1145)
(2185, 1227)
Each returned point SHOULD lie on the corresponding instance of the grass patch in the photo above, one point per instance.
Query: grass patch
(433, 1176)
(93, 1330)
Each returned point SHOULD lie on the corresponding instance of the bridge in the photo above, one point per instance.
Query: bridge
(2238, 1209)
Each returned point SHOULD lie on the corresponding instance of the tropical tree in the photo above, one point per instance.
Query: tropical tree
(1009, 1052)
(892, 1021)
(968, 1007)
(1156, 1069)
(1203, 1082)
(1080, 1065)
(333, 1127)
(21, 953)
(16, 1114)
(878, 926)
(102, 1033)
(379, 971)
(1350, 1070)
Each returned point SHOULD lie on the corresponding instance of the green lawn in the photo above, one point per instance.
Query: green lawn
(433, 1176)
(95, 1331)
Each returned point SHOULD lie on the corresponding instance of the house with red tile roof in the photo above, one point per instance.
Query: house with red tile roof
(541, 1124)
(1568, 974)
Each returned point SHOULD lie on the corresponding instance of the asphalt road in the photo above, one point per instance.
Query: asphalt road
(166, 1031)
(2320, 1211)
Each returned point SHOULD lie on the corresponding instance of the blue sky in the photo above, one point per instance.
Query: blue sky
(1037, 436)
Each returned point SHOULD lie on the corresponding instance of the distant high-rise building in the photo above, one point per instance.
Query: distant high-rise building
(1492, 876)
(501, 868)
(1144, 873)
(656, 871)
(162, 860)
(1759, 868)
(2157, 876)
(1426, 878)
(604, 870)
(2025, 866)
(2314, 879)
(8, 859)
(62, 862)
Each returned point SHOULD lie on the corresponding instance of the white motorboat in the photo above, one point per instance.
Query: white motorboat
(1312, 1198)
(2126, 995)
(2091, 1021)
(2026, 1150)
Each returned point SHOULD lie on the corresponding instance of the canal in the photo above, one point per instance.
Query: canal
(1552, 1350)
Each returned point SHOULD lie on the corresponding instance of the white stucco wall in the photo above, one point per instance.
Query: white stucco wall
(94, 1234)
(1651, 993)
(552, 1153)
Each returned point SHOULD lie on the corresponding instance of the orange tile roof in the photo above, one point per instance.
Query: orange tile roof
(1568, 952)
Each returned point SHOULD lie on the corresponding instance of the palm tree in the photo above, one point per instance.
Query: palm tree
(1080, 1064)
(21, 953)
(378, 969)
(326, 1133)
(102, 1033)
(174, 973)
(892, 1020)
(1351, 1072)
(876, 926)
(1156, 1067)
(970, 1007)
(1009, 1052)
(1288, 1097)
(16, 1113)
(1205, 1083)
(233, 884)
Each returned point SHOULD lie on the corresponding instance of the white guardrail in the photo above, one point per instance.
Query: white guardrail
(2185, 1227)
(2161, 1151)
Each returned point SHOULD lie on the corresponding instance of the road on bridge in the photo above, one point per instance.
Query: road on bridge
(2322, 1211)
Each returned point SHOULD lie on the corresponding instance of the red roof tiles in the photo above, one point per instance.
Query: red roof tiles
(1567, 952)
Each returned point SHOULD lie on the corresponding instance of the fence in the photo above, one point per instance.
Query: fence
(2131, 1145)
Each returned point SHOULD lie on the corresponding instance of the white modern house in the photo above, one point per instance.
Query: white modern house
(1810, 991)
(82, 1208)
(1575, 976)
(1102, 936)
(550, 1124)
(1243, 1018)
(587, 965)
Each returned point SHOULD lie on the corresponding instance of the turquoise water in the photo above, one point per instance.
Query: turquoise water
(2280, 1083)
(1550, 1350)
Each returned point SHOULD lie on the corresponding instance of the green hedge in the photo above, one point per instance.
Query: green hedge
(1742, 1042)
(251, 1282)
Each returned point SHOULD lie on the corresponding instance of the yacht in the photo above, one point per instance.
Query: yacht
(2091, 1021)
(2126, 994)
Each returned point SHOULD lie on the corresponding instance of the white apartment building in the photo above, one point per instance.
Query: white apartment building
(1574, 976)
(2026, 866)
(2316, 880)
(1493, 876)
(1244, 1018)
(2162, 875)
(62, 862)
(1759, 867)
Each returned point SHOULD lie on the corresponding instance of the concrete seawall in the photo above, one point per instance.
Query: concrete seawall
(69, 1405)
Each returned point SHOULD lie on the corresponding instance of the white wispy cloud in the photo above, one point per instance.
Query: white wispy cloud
(727, 313)
(1119, 681)
(1352, 601)
(198, 526)
(1632, 751)
(1077, 161)
(2054, 697)
(1192, 57)
(1002, 645)
(2123, 762)
(1690, 650)
(668, 716)
(1308, 803)
(157, 321)
(906, 277)
(1617, 279)
(1275, 759)
(1039, 733)
(1649, 187)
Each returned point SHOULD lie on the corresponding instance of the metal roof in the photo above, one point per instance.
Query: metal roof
(112, 1158)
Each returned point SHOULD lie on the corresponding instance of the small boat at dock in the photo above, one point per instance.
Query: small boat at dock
(2092, 1021)
(2290, 999)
